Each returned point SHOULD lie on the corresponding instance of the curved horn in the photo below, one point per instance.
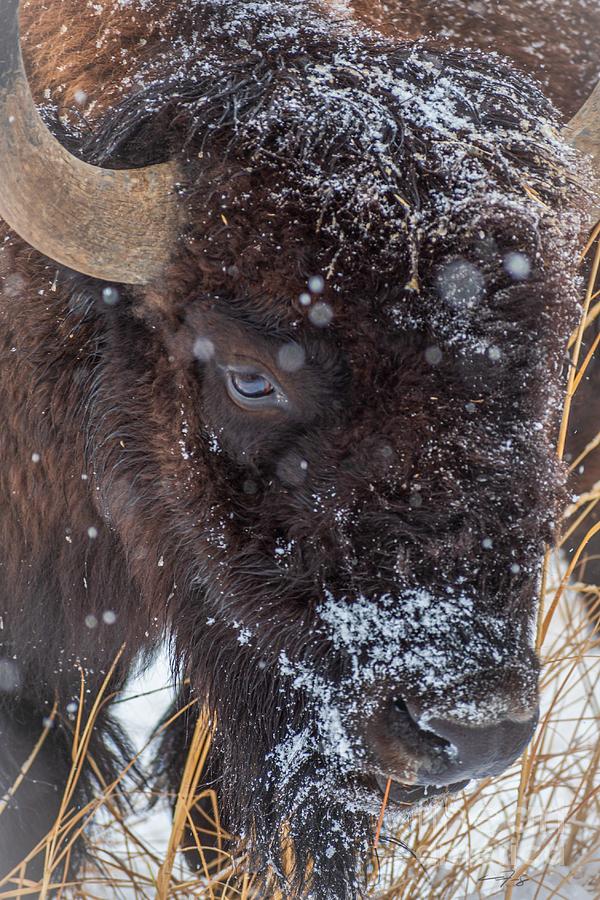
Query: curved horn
(118, 225)
(583, 132)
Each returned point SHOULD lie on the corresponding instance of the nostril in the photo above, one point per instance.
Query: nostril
(415, 733)
(401, 707)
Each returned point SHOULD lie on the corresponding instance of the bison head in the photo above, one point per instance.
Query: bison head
(322, 421)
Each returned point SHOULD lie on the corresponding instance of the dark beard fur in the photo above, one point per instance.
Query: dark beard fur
(307, 833)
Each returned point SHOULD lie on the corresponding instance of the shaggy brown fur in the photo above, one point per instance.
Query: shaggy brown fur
(554, 41)
(413, 466)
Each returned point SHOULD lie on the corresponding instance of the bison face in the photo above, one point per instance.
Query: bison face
(336, 471)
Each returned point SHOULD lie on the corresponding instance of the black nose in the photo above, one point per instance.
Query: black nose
(416, 747)
(478, 751)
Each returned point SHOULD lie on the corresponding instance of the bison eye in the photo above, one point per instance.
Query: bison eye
(252, 390)
(252, 386)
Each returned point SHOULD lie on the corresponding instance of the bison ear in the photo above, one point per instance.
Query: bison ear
(117, 225)
(583, 133)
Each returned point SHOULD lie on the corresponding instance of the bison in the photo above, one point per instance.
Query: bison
(286, 294)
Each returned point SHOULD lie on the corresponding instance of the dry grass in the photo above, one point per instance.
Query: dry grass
(534, 831)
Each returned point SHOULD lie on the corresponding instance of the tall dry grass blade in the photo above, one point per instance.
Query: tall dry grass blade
(80, 747)
(570, 569)
(196, 759)
(384, 804)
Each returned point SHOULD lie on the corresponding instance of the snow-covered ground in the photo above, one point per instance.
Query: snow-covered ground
(141, 707)
(144, 703)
